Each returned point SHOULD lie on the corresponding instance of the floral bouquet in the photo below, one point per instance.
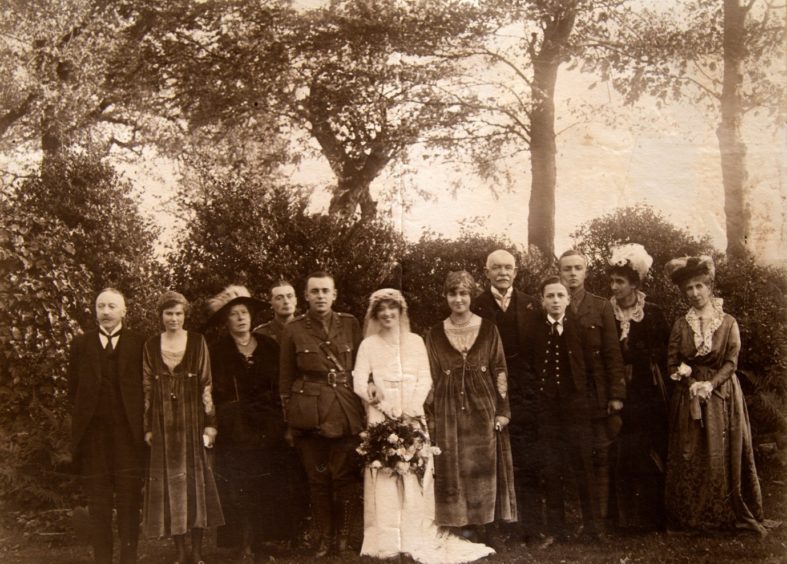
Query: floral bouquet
(396, 446)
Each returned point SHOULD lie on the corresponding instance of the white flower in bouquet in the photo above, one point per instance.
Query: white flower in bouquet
(376, 464)
(393, 438)
(364, 435)
(402, 467)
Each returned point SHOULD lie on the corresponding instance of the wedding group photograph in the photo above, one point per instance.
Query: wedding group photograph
(433, 281)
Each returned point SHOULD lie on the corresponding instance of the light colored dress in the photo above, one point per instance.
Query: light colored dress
(398, 511)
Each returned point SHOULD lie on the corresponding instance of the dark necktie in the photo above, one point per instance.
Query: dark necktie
(109, 348)
(553, 331)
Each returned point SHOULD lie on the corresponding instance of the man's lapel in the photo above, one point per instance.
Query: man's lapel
(94, 350)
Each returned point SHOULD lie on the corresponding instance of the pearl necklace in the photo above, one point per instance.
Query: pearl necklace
(460, 325)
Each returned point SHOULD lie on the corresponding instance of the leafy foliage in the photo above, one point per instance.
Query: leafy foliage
(427, 262)
(43, 292)
(752, 293)
(108, 233)
(254, 231)
(52, 77)
(351, 75)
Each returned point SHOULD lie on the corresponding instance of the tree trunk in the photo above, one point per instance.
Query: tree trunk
(543, 149)
(350, 193)
(731, 145)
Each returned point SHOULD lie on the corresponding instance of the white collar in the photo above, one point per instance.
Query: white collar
(498, 295)
(103, 336)
(559, 321)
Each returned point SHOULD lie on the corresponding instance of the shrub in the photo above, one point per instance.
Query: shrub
(752, 293)
(108, 232)
(427, 262)
(254, 231)
(43, 293)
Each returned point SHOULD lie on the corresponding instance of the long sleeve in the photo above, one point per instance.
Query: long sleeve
(499, 372)
(673, 348)
(613, 358)
(287, 364)
(206, 383)
(147, 389)
(434, 368)
(423, 375)
(361, 371)
(730, 356)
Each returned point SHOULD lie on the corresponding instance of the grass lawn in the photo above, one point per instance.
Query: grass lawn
(47, 537)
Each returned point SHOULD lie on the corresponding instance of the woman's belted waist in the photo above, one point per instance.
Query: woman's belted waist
(329, 377)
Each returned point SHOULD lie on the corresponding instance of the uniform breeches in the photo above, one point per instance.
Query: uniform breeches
(332, 468)
(112, 477)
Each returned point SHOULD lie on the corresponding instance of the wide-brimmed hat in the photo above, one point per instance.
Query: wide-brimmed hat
(632, 256)
(219, 304)
(681, 269)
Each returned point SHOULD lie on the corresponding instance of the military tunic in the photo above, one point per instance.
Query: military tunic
(273, 329)
(307, 368)
(316, 371)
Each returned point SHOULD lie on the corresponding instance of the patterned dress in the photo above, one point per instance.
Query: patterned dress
(711, 479)
(180, 490)
(474, 483)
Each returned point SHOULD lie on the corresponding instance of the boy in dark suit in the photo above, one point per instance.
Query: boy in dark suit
(105, 389)
(556, 367)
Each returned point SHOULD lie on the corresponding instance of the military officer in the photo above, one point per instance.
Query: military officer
(283, 301)
(325, 416)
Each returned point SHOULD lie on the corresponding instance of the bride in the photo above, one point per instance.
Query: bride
(392, 376)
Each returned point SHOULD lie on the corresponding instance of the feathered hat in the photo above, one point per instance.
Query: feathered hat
(681, 269)
(633, 256)
(219, 304)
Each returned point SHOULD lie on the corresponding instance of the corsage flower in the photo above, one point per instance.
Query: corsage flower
(683, 371)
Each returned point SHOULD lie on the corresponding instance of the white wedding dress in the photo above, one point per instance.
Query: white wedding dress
(398, 511)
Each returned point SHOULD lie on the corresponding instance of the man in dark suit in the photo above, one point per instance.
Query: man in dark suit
(604, 363)
(555, 362)
(105, 388)
(510, 309)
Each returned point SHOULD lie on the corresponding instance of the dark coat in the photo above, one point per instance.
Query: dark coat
(248, 408)
(84, 382)
(486, 306)
(603, 359)
(536, 352)
(304, 368)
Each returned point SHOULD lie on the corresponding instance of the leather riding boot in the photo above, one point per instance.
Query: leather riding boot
(323, 520)
(344, 515)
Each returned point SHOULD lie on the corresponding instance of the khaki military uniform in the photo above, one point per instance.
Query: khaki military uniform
(316, 366)
(273, 329)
